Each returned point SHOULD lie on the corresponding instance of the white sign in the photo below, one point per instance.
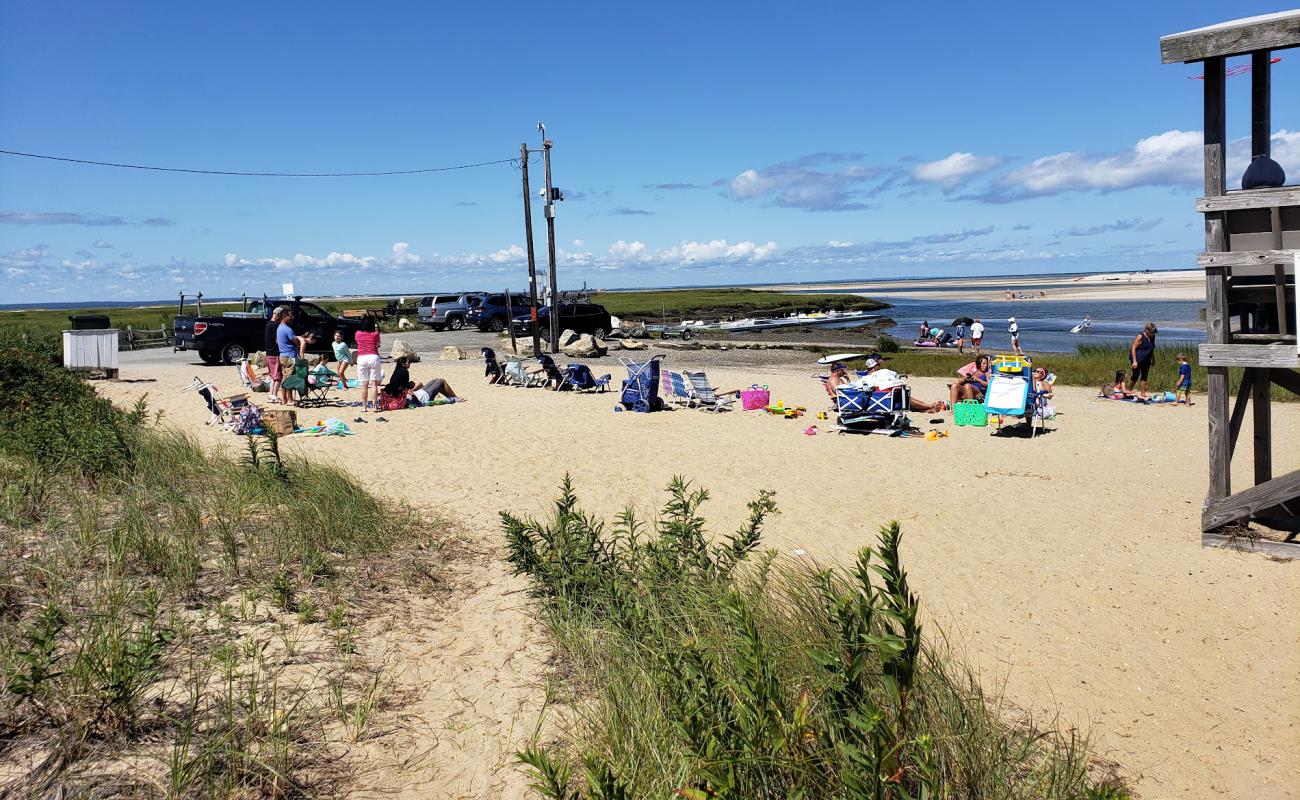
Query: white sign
(288, 289)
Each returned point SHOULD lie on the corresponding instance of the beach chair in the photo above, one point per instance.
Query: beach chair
(491, 367)
(311, 392)
(680, 390)
(248, 377)
(706, 395)
(514, 373)
(641, 388)
(579, 378)
(882, 411)
(553, 377)
(1011, 395)
(223, 411)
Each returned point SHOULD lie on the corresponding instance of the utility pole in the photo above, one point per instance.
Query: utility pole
(550, 246)
(528, 236)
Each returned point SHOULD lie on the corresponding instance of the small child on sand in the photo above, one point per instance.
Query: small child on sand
(342, 355)
(1184, 392)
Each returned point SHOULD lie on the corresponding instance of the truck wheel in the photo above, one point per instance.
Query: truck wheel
(210, 357)
(455, 323)
(233, 353)
(497, 325)
(687, 335)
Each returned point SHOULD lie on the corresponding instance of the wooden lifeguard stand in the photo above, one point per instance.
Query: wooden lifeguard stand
(1252, 238)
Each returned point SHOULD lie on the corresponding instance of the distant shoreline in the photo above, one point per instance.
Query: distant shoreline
(1168, 285)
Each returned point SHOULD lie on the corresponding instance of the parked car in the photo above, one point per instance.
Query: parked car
(492, 314)
(576, 317)
(448, 311)
(236, 335)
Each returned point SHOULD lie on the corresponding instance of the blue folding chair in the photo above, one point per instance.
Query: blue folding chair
(580, 378)
(883, 411)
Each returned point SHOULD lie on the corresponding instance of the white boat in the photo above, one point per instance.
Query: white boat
(797, 320)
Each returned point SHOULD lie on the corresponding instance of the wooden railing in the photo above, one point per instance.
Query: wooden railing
(142, 338)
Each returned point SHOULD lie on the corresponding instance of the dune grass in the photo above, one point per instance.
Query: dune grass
(675, 305)
(696, 667)
(175, 622)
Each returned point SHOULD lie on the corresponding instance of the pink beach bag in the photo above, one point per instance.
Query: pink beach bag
(755, 397)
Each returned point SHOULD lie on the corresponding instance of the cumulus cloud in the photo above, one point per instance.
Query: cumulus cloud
(838, 245)
(579, 243)
(72, 218)
(955, 170)
(624, 211)
(1111, 227)
(1172, 158)
(691, 254)
(402, 255)
(818, 182)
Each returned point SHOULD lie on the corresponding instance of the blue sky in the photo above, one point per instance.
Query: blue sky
(697, 143)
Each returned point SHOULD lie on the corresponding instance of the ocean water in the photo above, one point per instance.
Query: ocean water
(1045, 324)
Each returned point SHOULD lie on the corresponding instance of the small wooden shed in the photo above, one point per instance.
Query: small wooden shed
(1252, 237)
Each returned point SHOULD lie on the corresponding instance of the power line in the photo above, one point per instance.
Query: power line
(259, 174)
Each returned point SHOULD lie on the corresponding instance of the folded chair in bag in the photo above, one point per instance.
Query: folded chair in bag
(706, 394)
(579, 378)
(491, 367)
(554, 377)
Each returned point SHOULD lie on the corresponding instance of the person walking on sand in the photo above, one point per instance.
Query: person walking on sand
(1142, 355)
(343, 355)
(369, 371)
(1013, 328)
(272, 350)
(977, 334)
(1184, 393)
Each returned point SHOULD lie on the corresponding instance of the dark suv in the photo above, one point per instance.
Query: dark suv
(493, 315)
(576, 317)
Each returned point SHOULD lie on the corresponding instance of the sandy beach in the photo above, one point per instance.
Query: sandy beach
(1068, 567)
(1115, 286)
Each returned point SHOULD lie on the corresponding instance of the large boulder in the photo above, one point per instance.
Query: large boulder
(631, 344)
(634, 329)
(567, 338)
(405, 324)
(586, 346)
(451, 353)
(524, 347)
(401, 348)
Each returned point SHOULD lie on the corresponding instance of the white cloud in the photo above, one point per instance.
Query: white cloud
(579, 243)
(1172, 158)
(956, 169)
(402, 255)
(838, 244)
(811, 183)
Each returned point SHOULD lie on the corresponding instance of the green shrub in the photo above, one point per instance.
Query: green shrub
(703, 672)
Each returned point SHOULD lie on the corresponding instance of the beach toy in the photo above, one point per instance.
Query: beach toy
(811, 430)
(970, 413)
(821, 415)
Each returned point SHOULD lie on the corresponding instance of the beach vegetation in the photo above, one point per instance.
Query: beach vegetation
(159, 625)
(678, 304)
(700, 666)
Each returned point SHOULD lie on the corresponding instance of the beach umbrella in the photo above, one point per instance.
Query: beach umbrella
(963, 321)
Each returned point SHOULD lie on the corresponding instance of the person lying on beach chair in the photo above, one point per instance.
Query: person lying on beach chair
(973, 383)
(878, 377)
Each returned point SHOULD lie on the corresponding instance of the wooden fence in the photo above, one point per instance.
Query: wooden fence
(141, 338)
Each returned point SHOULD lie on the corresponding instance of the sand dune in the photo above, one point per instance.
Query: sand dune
(1069, 567)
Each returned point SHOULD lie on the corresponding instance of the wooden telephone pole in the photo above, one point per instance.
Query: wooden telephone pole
(528, 236)
(550, 247)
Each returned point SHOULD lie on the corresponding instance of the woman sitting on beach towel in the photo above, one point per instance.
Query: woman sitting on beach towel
(973, 383)
(399, 387)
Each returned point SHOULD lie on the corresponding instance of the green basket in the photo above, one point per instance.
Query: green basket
(970, 412)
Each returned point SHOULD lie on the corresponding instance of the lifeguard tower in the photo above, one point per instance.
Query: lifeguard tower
(1252, 237)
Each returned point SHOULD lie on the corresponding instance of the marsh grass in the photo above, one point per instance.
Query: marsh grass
(702, 668)
(159, 632)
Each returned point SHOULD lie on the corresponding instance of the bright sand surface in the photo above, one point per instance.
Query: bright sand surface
(1167, 285)
(1068, 567)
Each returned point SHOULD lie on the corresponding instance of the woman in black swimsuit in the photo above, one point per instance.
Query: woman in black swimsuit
(1143, 354)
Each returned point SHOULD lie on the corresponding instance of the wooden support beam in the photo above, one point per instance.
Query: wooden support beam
(1245, 258)
(1216, 397)
(1239, 507)
(1263, 32)
(1261, 129)
(1272, 356)
(1261, 405)
(1287, 379)
(1239, 410)
(1244, 199)
(1216, 133)
(1286, 550)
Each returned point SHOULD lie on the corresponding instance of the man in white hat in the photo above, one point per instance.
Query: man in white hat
(1014, 330)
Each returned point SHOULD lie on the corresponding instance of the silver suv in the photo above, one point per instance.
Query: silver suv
(447, 311)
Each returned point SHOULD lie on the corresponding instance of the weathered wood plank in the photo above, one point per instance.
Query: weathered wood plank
(1216, 305)
(1261, 131)
(1272, 356)
(1285, 378)
(1261, 406)
(1245, 544)
(1215, 131)
(1220, 435)
(1266, 338)
(1243, 199)
(1245, 258)
(1265, 32)
(1240, 506)
(1239, 410)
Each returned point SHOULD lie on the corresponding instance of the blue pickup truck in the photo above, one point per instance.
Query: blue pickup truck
(235, 335)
